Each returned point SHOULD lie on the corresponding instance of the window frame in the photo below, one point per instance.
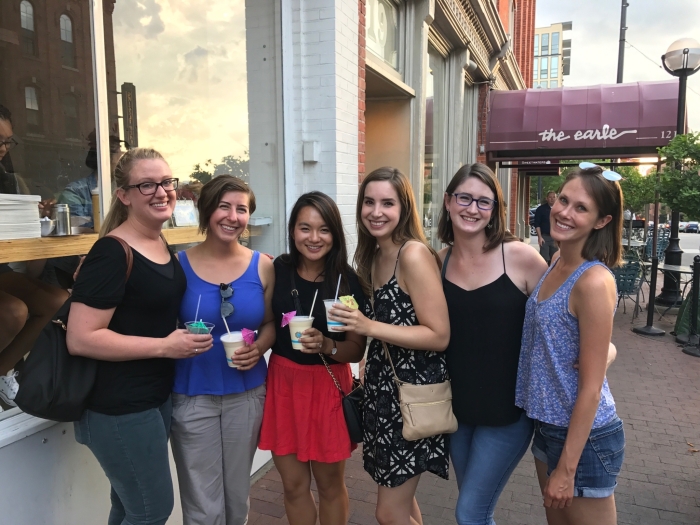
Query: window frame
(555, 40)
(535, 69)
(67, 46)
(544, 67)
(28, 36)
(35, 99)
(544, 44)
(537, 45)
(554, 67)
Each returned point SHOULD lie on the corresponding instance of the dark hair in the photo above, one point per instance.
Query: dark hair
(5, 114)
(337, 258)
(212, 193)
(497, 233)
(604, 244)
(409, 227)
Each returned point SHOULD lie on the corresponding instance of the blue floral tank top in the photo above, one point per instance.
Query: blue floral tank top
(547, 383)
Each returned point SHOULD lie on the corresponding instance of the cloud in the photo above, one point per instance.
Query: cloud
(193, 62)
(141, 16)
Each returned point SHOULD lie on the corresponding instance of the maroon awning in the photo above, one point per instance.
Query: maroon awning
(618, 120)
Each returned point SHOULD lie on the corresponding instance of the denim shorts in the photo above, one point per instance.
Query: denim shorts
(601, 459)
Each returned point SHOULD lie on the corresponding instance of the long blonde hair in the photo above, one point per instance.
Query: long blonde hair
(118, 212)
(408, 229)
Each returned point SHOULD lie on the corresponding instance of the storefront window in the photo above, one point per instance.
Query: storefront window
(182, 77)
(46, 124)
(383, 30)
(433, 171)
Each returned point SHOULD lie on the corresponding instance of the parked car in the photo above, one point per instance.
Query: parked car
(682, 225)
(692, 227)
(533, 231)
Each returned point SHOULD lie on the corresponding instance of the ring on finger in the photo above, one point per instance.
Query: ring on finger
(196, 350)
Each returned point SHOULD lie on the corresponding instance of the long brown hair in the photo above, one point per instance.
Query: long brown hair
(604, 244)
(497, 233)
(336, 263)
(408, 229)
(118, 211)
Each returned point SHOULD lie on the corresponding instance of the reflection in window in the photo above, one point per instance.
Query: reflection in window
(31, 104)
(70, 116)
(383, 30)
(555, 43)
(535, 70)
(67, 46)
(26, 11)
(554, 70)
(537, 45)
(544, 62)
(553, 83)
(435, 123)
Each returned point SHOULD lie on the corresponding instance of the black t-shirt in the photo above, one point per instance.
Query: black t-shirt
(282, 302)
(147, 306)
(542, 218)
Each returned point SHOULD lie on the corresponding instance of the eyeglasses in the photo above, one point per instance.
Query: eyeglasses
(226, 291)
(465, 199)
(149, 188)
(9, 143)
(612, 176)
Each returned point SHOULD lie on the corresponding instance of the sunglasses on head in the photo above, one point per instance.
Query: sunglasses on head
(226, 291)
(612, 176)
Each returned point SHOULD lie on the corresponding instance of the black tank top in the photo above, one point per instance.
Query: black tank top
(482, 358)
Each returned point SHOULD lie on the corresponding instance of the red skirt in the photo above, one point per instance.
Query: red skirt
(303, 412)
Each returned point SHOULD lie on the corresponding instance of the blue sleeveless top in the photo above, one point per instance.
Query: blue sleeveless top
(547, 384)
(208, 373)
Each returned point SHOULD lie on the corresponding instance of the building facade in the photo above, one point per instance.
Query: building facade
(291, 95)
(552, 55)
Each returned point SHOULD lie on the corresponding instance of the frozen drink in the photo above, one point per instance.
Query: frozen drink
(297, 326)
(232, 342)
(332, 325)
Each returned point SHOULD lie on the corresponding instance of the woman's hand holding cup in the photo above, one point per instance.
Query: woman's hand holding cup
(181, 344)
(311, 341)
(352, 318)
(247, 356)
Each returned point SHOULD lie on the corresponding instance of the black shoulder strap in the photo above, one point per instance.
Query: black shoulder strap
(444, 264)
(295, 293)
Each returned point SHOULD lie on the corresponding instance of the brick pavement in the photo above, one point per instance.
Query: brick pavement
(656, 389)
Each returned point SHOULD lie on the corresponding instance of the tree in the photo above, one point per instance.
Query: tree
(238, 166)
(680, 177)
(200, 173)
(637, 189)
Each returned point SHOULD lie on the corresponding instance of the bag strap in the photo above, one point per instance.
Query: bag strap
(129, 255)
(337, 384)
(295, 294)
(371, 300)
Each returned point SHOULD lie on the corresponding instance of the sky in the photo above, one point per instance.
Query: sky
(652, 25)
(187, 60)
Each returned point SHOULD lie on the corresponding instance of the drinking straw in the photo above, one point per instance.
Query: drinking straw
(313, 303)
(196, 313)
(226, 324)
(337, 289)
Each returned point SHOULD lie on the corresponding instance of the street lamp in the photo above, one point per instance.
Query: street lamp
(681, 60)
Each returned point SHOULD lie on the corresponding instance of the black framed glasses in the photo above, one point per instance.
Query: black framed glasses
(149, 188)
(610, 175)
(465, 199)
(9, 143)
(226, 291)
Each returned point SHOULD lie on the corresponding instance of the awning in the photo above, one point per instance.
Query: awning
(618, 120)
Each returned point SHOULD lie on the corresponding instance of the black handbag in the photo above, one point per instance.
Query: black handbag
(56, 385)
(353, 403)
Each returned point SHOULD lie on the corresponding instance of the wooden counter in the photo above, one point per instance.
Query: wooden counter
(45, 247)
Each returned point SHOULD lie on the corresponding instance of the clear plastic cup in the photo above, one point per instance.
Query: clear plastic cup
(297, 326)
(332, 325)
(199, 328)
(232, 342)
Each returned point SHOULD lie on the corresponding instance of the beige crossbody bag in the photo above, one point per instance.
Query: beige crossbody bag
(426, 409)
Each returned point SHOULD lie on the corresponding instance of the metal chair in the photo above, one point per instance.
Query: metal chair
(661, 246)
(629, 282)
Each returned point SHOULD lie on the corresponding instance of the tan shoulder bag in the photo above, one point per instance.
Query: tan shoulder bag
(426, 409)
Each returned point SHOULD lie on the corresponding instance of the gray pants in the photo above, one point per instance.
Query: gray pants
(214, 439)
(549, 248)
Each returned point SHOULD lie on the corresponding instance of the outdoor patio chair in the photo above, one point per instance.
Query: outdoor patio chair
(629, 283)
(661, 246)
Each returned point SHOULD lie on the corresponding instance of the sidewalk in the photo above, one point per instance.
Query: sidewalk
(656, 388)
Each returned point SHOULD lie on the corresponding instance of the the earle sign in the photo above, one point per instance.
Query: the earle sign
(604, 133)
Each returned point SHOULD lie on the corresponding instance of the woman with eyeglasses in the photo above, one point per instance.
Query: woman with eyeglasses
(487, 277)
(579, 441)
(217, 407)
(303, 424)
(129, 326)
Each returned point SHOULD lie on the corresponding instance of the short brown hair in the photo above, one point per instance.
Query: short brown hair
(605, 244)
(212, 193)
(498, 232)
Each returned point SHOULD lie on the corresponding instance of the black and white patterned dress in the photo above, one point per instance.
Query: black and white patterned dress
(388, 457)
